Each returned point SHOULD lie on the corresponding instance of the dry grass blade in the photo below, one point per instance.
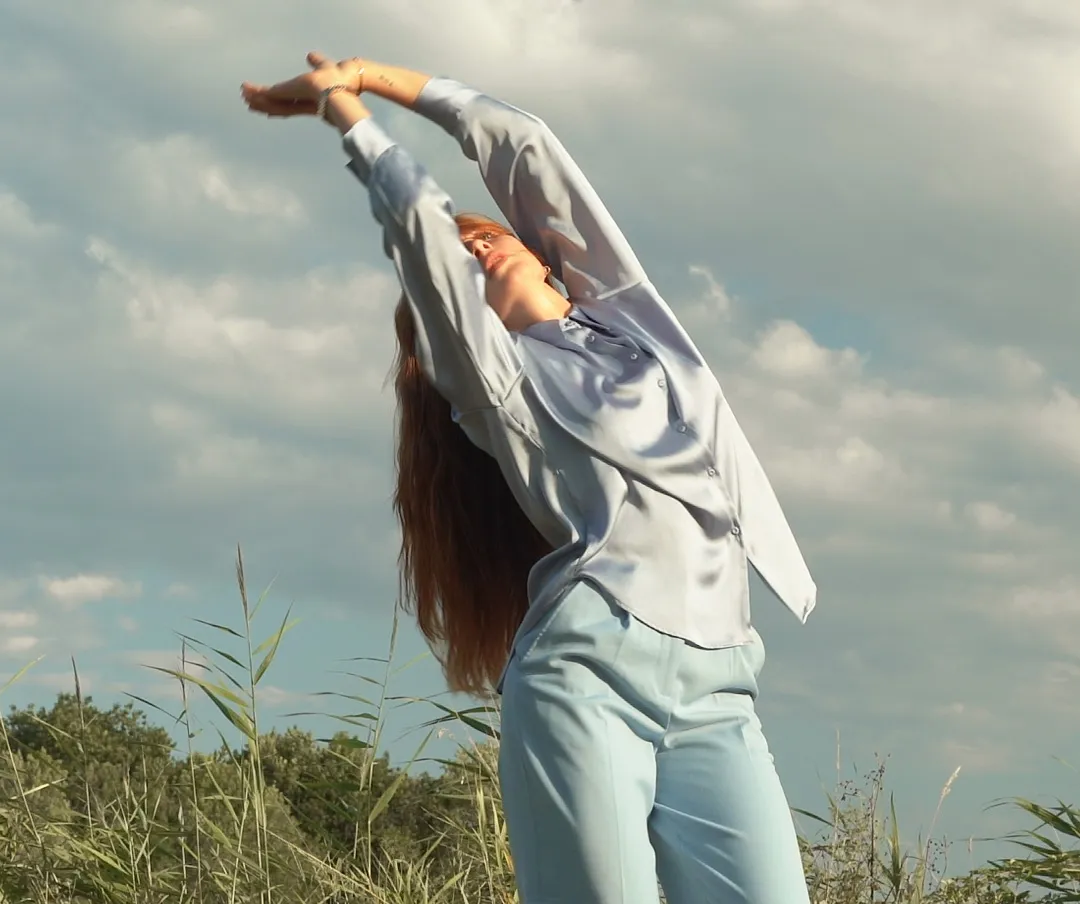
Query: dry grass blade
(19, 674)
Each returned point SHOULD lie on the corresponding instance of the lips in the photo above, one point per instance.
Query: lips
(493, 261)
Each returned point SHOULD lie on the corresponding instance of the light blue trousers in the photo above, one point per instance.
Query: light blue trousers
(628, 755)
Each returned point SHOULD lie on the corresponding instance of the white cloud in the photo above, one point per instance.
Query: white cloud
(1058, 423)
(312, 346)
(979, 54)
(989, 516)
(18, 221)
(1057, 681)
(194, 662)
(1005, 369)
(849, 469)
(174, 175)
(18, 643)
(1019, 368)
(832, 430)
(715, 291)
(89, 588)
(1058, 672)
(13, 620)
(179, 22)
(1046, 607)
(209, 458)
(61, 682)
(91, 682)
(1056, 602)
(990, 564)
(198, 332)
(276, 696)
(523, 44)
(957, 710)
(787, 350)
(986, 755)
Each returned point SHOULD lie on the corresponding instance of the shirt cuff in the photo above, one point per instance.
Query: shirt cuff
(365, 143)
(442, 99)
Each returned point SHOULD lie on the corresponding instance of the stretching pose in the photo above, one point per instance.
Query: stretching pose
(578, 507)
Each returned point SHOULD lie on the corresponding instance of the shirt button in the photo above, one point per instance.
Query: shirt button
(661, 383)
(633, 356)
(590, 338)
(735, 529)
(681, 427)
(711, 472)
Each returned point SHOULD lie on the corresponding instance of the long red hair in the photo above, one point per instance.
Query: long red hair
(466, 546)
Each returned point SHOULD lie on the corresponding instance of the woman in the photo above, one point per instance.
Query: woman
(598, 578)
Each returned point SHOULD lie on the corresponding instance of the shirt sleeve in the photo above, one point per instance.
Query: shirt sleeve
(539, 189)
(462, 346)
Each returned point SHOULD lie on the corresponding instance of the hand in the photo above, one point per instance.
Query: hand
(299, 96)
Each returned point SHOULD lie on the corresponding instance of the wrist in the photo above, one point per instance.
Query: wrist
(332, 76)
(344, 110)
(354, 71)
(393, 83)
(327, 93)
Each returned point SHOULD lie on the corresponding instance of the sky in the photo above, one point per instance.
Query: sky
(866, 214)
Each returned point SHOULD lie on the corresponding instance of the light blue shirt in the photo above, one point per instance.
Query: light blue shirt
(609, 426)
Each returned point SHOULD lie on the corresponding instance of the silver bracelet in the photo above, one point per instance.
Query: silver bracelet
(324, 97)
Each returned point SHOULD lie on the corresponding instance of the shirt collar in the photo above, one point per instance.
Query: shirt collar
(555, 330)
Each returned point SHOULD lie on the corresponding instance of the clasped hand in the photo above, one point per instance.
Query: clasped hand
(299, 96)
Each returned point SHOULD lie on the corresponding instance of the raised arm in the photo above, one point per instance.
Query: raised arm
(529, 174)
(462, 346)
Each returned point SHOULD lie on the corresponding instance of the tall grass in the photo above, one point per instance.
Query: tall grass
(210, 829)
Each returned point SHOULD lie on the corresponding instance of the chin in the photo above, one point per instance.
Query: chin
(519, 270)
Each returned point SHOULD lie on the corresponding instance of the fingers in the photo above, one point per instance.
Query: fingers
(293, 88)
(249, 91)
(261, 99)
(269, 106)
(286, 111)
(293, 97)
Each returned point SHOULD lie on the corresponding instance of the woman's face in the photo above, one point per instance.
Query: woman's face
(512, 271)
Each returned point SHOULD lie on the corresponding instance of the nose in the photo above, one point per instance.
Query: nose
(480, 248)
